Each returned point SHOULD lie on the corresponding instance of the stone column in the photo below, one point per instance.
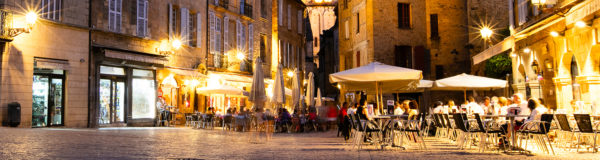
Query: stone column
(536, 89)
(564, 92)
(590, 89)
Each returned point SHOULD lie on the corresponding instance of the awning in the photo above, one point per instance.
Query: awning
(51, 64)
(186, 72)
(236, 78)
(498, 48)
(135, 57)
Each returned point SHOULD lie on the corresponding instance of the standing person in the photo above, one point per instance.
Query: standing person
(344, 123)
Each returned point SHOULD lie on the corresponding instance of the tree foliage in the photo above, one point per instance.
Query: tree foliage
(498, 66)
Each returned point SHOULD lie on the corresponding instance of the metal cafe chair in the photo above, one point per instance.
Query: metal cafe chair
(413, 130)
(539, 131)
(363, 130)
(565, 135)
(584, 123)
(452, 128)
(463, 133)
(440, 126)
(488, 133)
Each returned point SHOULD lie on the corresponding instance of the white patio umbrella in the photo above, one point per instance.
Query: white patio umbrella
(377, 77)
(464, 82)
(319, 99)
(310, 90)
(278, 88)
(296, 89)
(257, 92)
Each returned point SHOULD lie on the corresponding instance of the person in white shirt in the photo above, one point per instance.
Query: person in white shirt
(451, 107)
(351, 109)
(439, 108)
(519, 107)
(537, 110)
(473, 107)
(487, 105)
(398, 108)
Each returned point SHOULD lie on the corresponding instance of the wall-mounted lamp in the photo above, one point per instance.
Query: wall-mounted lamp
(580, 24)
(30, 20)
(167, 47)
(554, 34)
(535, 67)
(527, 50)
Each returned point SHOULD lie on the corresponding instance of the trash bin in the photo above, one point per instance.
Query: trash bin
(14, 114)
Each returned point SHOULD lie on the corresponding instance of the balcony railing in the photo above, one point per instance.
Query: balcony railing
(6, 25)
(246, 9)
(220, 3)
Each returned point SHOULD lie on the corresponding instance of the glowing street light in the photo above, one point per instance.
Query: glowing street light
(580, 24)
(176, 44)
(240, 56)
(486, 32)
(31, 18)
(526, 50)
(290, 74)
(554, 34)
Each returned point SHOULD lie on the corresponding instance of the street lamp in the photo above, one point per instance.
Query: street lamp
(176, 44)
(30, 18)
(290, 74)
(240, 56)
(486, 34)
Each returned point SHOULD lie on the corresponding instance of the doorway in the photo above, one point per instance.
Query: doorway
(112, 100)
(48, 98)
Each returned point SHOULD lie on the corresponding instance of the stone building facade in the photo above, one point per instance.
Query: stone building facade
(553, 48)
(46, 70)
(406, 33)
(288, 32)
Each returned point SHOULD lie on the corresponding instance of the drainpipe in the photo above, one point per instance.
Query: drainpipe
(91, 86)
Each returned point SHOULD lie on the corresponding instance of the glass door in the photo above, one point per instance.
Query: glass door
(112, 101)
(48, 97)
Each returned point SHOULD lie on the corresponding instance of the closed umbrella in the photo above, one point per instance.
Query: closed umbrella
(257, 92)
(296, 87)
(310, 90)
(319, 99)
(278, 88)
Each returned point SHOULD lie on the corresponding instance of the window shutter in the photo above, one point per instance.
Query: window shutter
(171, 29)
(280, 13)
(250, 41)
(242, 37)
(218, 35)
(118, 16)
(346, 29)
(522, 11)
(111, 14)
(146, 18)
(511, 13)
(226, 33)
(142, 17)
(184, 26)
(190, 29)
(289, 17)
(238, 36)
(198, 30)
(212, 31)
(299, 21)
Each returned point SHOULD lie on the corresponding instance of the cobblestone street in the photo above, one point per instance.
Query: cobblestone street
(174, 143)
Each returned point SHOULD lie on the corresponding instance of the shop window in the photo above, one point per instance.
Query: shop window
(112, 70)
(48, 98)
(143, 96)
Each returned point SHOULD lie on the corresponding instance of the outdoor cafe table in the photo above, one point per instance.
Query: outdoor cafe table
(380, 118)
(511, 120)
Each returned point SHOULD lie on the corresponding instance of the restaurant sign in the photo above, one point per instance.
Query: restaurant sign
(587, 9)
